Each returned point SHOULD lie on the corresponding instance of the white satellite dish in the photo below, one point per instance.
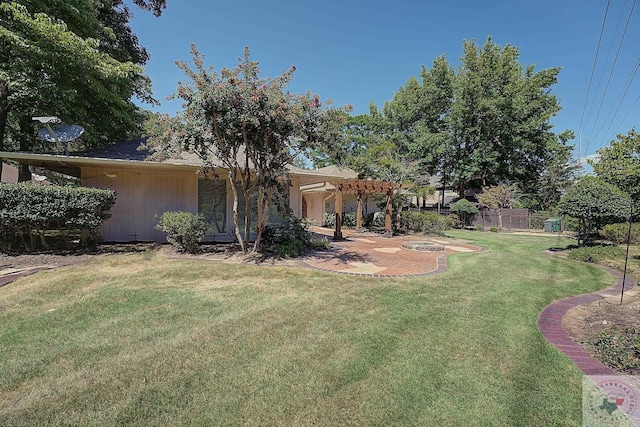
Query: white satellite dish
(64, 133)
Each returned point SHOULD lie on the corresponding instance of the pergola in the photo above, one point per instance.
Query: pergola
(359, 187)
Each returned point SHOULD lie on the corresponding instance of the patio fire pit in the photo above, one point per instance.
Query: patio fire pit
(422, 246)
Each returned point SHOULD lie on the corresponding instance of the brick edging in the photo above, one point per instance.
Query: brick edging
(8, 278)
(550, 325)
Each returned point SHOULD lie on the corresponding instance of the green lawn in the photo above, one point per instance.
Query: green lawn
(139, 340)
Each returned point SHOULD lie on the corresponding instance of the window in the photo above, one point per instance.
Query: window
(212, 203)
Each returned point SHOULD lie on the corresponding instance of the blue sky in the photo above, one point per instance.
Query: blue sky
(355, 52)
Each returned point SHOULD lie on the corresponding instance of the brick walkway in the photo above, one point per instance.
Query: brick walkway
(371, 254)
(550, 324)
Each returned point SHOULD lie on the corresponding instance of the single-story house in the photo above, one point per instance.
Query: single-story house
(148, 188)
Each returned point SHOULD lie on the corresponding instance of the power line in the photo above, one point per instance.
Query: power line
(627, 115)
(612, 69)
(593, 68)
(619, 100)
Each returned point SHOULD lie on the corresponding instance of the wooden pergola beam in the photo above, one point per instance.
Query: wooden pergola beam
(360, 187)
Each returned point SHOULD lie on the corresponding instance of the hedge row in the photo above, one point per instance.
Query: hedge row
(27, 211)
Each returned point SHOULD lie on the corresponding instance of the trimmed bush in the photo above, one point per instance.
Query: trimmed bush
(184, 230)
(291, 241)
(28, 210)
(424, 222)
(464, 210)
(617, 233)
(596, 254)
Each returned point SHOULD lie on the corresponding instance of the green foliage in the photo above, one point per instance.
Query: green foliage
(463, 206)
(617, 233)
(497, 197)
(329, 219)
(558, 173)
(425, 222)
(487, 123)
(619, 164)
(184, 229)
(349, 219)
(251, 126)
(293, 240)
(28, 210)
(619, 348)
(494, 229)
(78, 60)
(597, 254)
(595, 203)
(464, 209)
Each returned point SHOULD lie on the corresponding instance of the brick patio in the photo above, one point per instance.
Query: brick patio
(371, 254)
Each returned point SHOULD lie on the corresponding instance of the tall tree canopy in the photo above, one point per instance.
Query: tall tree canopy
(78, 60)
(485, 124)
(251, 126)
(619, 164)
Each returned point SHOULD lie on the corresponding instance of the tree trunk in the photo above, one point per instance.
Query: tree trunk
(4, 112)
(24, 174)
(236, 222)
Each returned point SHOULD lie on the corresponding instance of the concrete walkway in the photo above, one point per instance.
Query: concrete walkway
(371, 254)
(550, 324)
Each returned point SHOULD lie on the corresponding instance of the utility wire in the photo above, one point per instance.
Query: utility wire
(593, 68)
(612, 69)
(627, 115)
(619, 100)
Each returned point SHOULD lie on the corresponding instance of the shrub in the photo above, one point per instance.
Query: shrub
(28, 210)
(184, 230)
(596, 254)
(425, 222)
(464, 210)
(617, 233)
(349, 220)
(619, 349)
(329, 219)
(494, 229)
(291, 241)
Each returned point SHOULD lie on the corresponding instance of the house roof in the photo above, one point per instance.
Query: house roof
(130, 155)
(338, 171)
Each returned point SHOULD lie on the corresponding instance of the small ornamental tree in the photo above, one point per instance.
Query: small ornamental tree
(594, 202)
(464, 209)
(497, 198)
(250, 126)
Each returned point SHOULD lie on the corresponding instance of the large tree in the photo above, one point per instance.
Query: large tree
(484, 124)
(619, 164)
(78, 60)
(253, 127)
